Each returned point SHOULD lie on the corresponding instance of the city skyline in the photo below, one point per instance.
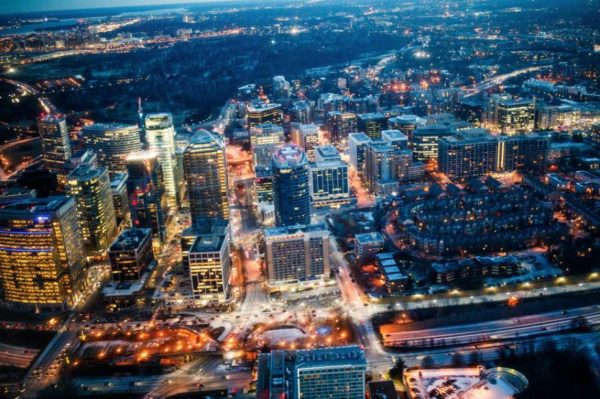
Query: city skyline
(300, 199)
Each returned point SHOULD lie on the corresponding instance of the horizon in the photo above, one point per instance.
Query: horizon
(35, 6)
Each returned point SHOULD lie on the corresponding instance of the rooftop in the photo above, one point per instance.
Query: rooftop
(327, 153)
(289, 155)
(366, 238)
(299, 228)
(130, 239)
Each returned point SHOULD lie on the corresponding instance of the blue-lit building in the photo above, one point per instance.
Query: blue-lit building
(332, 373)
(291, 194)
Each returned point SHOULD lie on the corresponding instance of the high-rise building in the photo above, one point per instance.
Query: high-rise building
(118, 189)
(516, 116)
(264, 138)
(424, 141)
(302, 112)
(340, 125)
(306, 137)
(210, 265)
(131, 254)
(112, 142)
(41, 256)
(206, 177)
(380, 172)
(357, 148)
(291, 194)
(90, 187)
(467, 154)
(160, 136)
(406, 123)
(297, 253)
(56, 145)
(145, 190)
(332, 373)
(372, 124)
(395, 138)
(258, 112)
(527, 153)
(328, 178)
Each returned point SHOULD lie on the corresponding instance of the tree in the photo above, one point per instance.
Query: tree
(474, 358)
(427, 362)
(458, 359)
(398, 369)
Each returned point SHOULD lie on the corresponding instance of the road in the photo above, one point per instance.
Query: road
(505, 329)
(16, 356)
(378, 359)
(491, 352)
(499, 79)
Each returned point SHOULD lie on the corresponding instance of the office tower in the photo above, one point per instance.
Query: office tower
(424, 141)
(302, 112)
(395, 138)
(516, 116)
(90, 187)
(258, 112)
(297, 253)
(160, 136)
(406, 123)
(56, 145)
(263, 140)
(205, 170)
(131, 254)
(526, 153)
(41, 257)
(372, 124)
(471, 111)
(145, 190)
(380, 172)
(357, 148)
(305, 137)
(281, 88)
(328, 178)
(340, 125)
(210, 264)
(112, 142)
(467, 154)
(332, 373)
(120, 198)
(290, 186)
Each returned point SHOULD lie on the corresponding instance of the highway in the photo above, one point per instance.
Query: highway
(499, 79)
(16, 356)
(505, 329)
(490, 352)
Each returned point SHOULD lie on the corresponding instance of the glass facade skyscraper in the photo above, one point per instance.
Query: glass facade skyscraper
(145, 190)
(41, 256)
(56, 145)
(291, 194)
(205, 170)
(112, 142)
(160, 136)
(90, 187)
